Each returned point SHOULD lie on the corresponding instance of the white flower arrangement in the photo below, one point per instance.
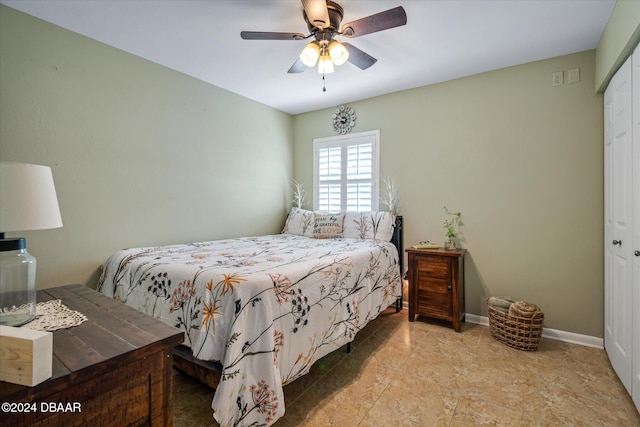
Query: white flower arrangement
(390, 198)
(299, 194)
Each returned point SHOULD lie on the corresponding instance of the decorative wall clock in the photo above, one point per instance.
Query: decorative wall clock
(343, 119)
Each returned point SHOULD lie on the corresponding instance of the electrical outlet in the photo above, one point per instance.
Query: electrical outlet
(558, 78)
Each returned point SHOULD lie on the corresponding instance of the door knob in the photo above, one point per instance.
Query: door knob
(617, 242)
(636, 253)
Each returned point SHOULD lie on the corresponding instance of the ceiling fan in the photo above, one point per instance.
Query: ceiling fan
(323, 18)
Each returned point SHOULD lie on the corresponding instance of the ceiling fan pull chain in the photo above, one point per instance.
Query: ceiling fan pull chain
(324, 86)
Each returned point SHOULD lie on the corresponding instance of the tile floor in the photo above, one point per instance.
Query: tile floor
(424, 374)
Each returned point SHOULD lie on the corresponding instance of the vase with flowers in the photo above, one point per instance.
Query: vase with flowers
(451, 226)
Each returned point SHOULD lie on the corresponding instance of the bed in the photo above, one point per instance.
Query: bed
(258, 311)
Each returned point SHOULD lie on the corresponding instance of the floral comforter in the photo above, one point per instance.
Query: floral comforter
(265, 307)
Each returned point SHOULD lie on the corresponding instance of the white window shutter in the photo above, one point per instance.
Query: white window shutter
(346, 172)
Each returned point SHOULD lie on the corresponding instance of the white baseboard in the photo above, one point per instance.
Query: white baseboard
(552, 334)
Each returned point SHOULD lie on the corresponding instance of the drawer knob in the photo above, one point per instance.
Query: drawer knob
(449, 288)
(617, 242)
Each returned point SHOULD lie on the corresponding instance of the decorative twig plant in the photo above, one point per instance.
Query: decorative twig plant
(451, 225)
(299, 195)
(390, 199)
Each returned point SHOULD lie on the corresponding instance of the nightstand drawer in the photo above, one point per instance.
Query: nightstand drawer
(433, 267)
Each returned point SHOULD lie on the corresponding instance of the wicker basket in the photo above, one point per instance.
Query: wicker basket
(518, 332)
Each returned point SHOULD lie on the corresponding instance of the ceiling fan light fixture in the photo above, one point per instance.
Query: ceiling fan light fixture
(324, 19)
(310, 54)
(325, 64)
(339, 53)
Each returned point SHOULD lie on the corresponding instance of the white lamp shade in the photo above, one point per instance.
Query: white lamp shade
(28, 198)
(325, 65)
(310, 54)
(339, 53)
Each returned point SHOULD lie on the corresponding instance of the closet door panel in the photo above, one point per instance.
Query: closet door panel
(635, 380)
(618, 223)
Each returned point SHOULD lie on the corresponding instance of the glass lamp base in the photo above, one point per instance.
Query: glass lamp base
(15, 319)
(17, 283)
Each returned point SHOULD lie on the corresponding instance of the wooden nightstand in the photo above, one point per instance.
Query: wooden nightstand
(436, 284)
(115, 369)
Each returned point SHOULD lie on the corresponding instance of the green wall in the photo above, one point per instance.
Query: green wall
(521, 159)
(144, 155)
(619, 38)
(140, 154)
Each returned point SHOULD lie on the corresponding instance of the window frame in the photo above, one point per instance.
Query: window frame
(343, 141)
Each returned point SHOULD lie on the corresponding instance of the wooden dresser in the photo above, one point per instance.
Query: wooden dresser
(436, 284)
(115, 369)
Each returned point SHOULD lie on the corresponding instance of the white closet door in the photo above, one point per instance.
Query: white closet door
(618, 223)
(635, 381)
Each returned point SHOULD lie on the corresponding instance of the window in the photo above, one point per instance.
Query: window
(345, 172)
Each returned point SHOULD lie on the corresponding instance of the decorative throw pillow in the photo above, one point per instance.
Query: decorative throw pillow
(369, 225)
(327, 225)
(299, 222)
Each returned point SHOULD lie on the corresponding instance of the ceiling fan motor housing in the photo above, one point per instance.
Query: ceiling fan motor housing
(335, 17)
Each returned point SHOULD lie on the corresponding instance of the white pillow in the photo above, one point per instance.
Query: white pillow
(299, 222)
(369, 225)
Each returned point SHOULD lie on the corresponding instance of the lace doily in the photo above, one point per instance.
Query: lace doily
(53, 315)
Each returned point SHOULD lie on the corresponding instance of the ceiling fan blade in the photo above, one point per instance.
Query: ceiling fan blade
(297, 67)
(371, 24)
(317, 13)
(262, 35)
(359, 58)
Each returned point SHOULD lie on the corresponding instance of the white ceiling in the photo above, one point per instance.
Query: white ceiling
(442, 40)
